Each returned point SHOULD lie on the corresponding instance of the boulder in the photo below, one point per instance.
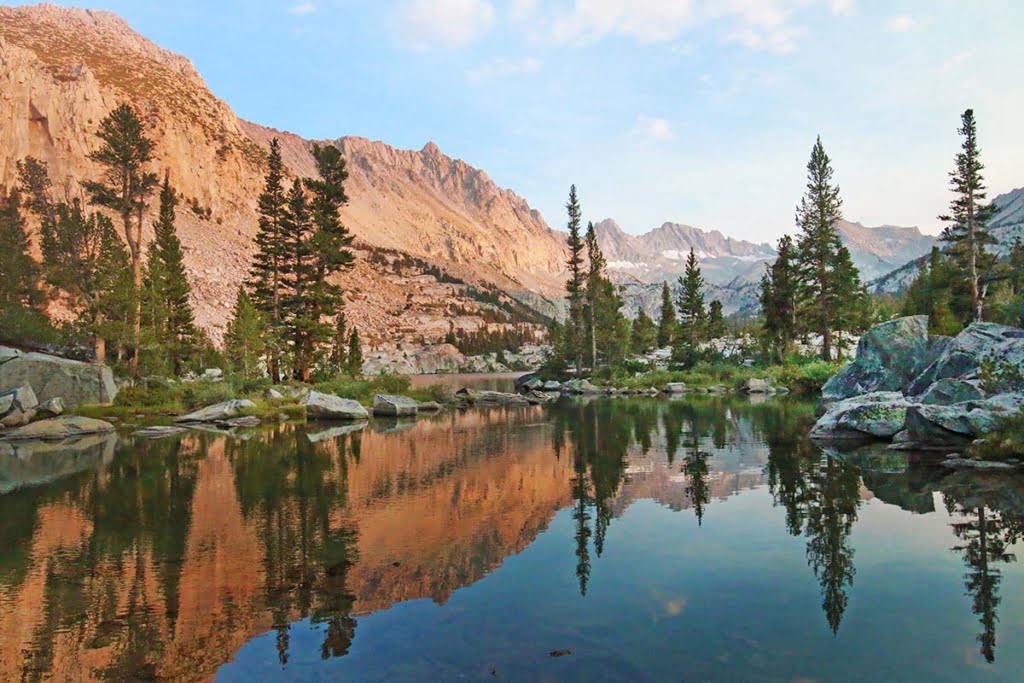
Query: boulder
(51, 377)
(536, 398)
(675, 388)
(218, 412)
(64, 427)
(492, 398)
(532, 384)
(960, 423)
(388, 405)
(430, 407)
(877, 415)
(963, 355)
(158, 432)
(949, 391)
(245, 421)
(7, 353)
(274, 395)
(717, 389)
(330, 407)
(51, 408)
(213, 374)
(889, 357)
(17, 406)
(756, 386)
(294, 392)
(581, 386)
(552, 385)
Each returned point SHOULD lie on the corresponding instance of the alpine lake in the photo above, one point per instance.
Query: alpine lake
(613, 539)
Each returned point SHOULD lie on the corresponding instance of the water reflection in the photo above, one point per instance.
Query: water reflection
(162, 559)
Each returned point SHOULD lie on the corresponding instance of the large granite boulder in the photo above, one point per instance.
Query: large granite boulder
(388, 405)
(330, 407)
(675, 388)
(218, 411)
(581, 386)
(756, 386)
(73, 381)
(64, 427)
(940, 425)
(879, 415)
(17, 406)
(493, 398)
(948, 391)
(963, 356)
(889, 357)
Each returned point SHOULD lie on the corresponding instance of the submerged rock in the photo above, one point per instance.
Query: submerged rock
(159, 432)
(429, 407)
(64, 427)
(496, 398)
(321, 406)
(218, 412)
(389, 405)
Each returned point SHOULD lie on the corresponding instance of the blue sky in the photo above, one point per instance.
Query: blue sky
(694, 111)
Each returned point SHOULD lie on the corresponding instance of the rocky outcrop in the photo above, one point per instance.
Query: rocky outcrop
(17, 406)
(218, 412)
(57, 428)
(329, 407)
(75, 382)
(482, 399)
(388, 405)
(937, 393)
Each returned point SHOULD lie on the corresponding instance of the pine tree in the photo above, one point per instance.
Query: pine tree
(127, 186)
(594, 291)
(966, 232)
(167, 285)
(245, 337)
(355, 354)
(644, 334)
(818, 250)
(716, 320)
(692, 314)
(855, 310)
(18, 272)
(572, 334)
(938, 291)
(1016, 267)
(297, 274)
(667, 323)
(779, 300)
(265, 275)
(339, 345)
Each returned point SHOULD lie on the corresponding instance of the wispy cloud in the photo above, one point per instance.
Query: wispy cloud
(900, 24)
(779, 40)
(424, 24)
(302, 9)
(653, 128)
(843, 7)
(500, 67)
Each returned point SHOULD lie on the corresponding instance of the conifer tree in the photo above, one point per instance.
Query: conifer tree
(594, 291)
(19, 274)
(692, 314)
(716, 320)
(355, 354)
(644, 334)
(125, 154)
(934, 292)
(1015, 267)
(297, 274)
(966, 233)
(168, 287)
(855, 308)
(245, 338)
(265, 275)
(572, 334)
(779, 300)
(821, 293)
(667, 323)
(339, 345)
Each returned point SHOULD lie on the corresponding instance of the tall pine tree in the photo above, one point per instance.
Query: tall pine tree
(125, 154)
(246, 337)
(966, 233)
(779, 301)
(167, 284)
(575, 287)
(265, 274)
(594, 291)
(355, 354)
(692, 314)
(644, 334)
(821, 295)
(668, 324)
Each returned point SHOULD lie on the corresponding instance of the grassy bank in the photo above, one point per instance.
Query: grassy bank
(800, 378)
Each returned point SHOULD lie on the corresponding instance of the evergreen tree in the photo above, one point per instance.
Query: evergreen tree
(1015, 267)
(936, 291)
(822, 290)
(644, 334)
(339, 345)
(297, 274)
(125, 154)
(265, 275)
(355, 354)
(855, 311)
(167, 285)
(716, 320)
(572, 334)
(245, 338)
(18, 272)
(779, 300)
(667, 323)
(692, 314)
(594, 290)
(966, 232)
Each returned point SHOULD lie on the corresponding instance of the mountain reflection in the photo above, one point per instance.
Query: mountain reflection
(160, 559)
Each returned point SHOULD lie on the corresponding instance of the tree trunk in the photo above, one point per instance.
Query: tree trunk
(593, 337)
(100, 346)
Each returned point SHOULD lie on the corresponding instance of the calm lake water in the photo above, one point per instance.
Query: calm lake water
(641, 539)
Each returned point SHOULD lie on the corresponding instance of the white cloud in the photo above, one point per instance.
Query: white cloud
(900, 24)
(653, 127)
(842, 6)
(447, 23)
(778, 40)
(648, 21)
(522, 10)
(503, 67)
(302, 9)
